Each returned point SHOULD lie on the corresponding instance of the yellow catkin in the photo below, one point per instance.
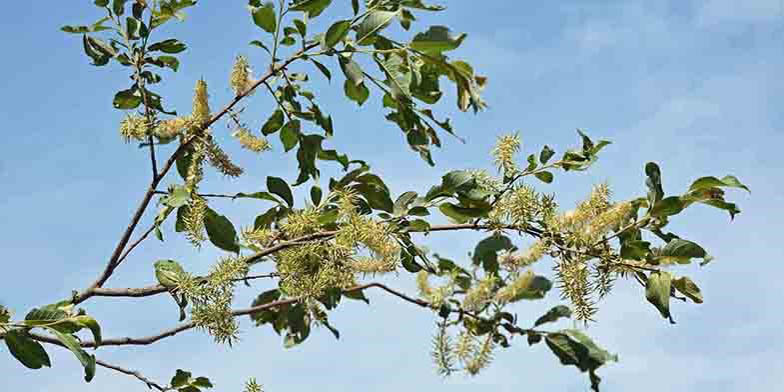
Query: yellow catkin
(251, 142)
(240, 79)
(514, 261)
(504, 153)
(480, 294)
(201, 106)
(169, 129)
(220, 160)
(513, 290)
(134, 127)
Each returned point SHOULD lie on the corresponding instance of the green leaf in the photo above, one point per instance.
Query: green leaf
(573, 347)
(202, 382)
(402, 202)
(264, 17)
(323, 69)
(668, 206)
(101, 3)
(302, 27)
(351, 69)
(546, 154)
(486, 251)
(315, 195)
(635, 249)
(289, 134)
(314, 8)
(170, 46)
(544, 176)
(181, 378)
(70, 342)
(273, 124)
(532, 287)
(279, 187)
(552, 315)
(88, 322)
(436, 39)
(681, 251)
(460, 214)
(688, 288)
(127, 99)
(655, 192)
(118, 6)
(372, 24)
(167, 61)
(336, 33)
(711, 182)
(357, 93)
(657, 292)
(26, 350)
(221, 231)
(260, 45)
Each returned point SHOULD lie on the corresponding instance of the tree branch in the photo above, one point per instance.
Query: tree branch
(147, 340)
(150, 384)
(116, 254)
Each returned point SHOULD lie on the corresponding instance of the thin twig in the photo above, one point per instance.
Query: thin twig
(135, 244)
(147, 340)
(150, 384)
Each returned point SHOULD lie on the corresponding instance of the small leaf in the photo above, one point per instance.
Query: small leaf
(486, 251)
(573, 347)
(279, 187)
(711, 182)
(336, 33)
(688, 288)
(289, 135)
(323, 69)
(127, 99)
(352, 70)
(273, 124)
(314, 8)
(668, 206)
(657, 292)
(88, 322)
(221, 231)
(170, 46)
(202, 382)
(26, 350)
(181, 378)
(315, 195)
(546, 154)
(436, 39)
(70, 342)
(264, 17)
(681, 251)
(555, 313)
(260, 45)
(544, 176)
(357, 93)
(372, 24)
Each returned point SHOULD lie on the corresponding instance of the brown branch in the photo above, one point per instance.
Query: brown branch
(135, 244)
(215, 195)
(147, 340)
(159, 289)
(150, 384)
(112, 264)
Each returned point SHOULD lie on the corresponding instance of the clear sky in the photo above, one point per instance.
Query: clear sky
(689, 84)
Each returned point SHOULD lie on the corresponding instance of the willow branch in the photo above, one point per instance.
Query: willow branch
(214, 195)
(118, 250)
(159, 289)
(147, 340)
(150, 384)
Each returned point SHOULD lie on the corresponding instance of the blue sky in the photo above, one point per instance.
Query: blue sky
(691, 85)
